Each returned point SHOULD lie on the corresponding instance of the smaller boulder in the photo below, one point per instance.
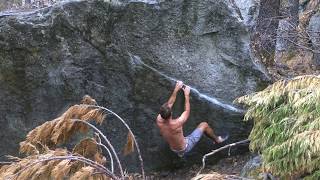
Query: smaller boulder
(252, 169)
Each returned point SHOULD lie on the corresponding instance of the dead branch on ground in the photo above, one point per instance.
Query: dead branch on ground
(220, 149)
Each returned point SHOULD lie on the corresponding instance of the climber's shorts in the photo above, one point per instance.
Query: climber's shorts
(191, 141)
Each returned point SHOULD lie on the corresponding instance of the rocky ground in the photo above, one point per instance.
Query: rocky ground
(228, 168)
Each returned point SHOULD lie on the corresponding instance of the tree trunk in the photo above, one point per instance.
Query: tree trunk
(293, 20)
(294, 12)
(287, 33)
(263, 38)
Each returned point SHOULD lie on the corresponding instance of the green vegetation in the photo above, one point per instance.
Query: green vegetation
(286, 128)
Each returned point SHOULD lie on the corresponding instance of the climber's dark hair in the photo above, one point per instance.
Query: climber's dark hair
(165, 111)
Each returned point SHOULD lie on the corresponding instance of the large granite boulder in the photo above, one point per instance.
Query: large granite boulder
(126, 56)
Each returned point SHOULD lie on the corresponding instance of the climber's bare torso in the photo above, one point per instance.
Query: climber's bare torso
(172, 132)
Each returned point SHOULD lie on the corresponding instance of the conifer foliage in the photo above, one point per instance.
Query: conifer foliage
(47, 160)
(286, 128)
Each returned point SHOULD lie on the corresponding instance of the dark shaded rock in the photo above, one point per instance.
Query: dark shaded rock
(126, 56)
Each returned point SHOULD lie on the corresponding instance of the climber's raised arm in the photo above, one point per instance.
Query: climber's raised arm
(173, 96)
(185, 115)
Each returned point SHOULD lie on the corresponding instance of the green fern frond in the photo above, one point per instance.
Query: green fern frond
(286, 128)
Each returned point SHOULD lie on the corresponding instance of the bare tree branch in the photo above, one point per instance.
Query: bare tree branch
(108, 150)
(107, 141)
(127, 126)
(220, 149)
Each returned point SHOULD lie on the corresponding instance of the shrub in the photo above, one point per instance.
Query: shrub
(286, 128)
(46, 160)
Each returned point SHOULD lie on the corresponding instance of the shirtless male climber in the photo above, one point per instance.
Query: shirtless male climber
(172, 129)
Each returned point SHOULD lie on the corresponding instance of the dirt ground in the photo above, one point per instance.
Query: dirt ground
(228, 168)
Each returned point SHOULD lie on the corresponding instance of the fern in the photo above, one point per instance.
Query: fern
(286, 128)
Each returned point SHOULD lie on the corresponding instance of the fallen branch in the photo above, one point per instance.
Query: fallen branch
(234, 177)
(220, 149)
(5, 163)
(89, 162)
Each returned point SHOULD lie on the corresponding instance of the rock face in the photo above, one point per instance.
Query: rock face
(126, 56)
